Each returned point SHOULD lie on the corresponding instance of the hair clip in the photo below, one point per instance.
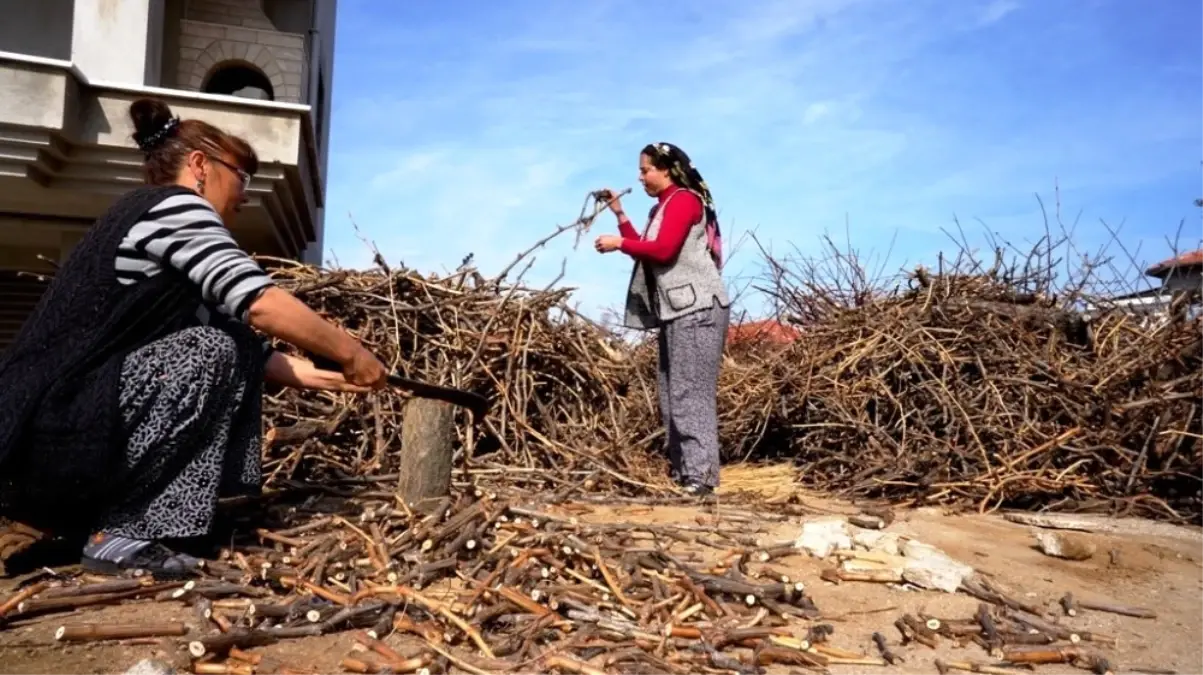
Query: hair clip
(152, 141)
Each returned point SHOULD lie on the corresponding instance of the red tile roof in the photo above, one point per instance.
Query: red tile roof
(1191, 259)
(767, 330)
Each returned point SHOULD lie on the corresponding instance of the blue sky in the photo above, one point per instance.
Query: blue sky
(476, 127)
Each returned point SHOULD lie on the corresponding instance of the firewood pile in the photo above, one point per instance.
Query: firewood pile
(480, 584)
(561, 385)
(967, 386)
(976, 389)
(488, 583)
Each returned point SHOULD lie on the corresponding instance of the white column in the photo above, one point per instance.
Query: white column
(313, 253)
(112, 39)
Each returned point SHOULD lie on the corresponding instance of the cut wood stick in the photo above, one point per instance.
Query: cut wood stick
(767, 654)
(570, 665)
(44, 605)
(359, 665)
(86, 632)
(884, 648)
(610, 580)
(1070, 605)
(396, 662)
(246, 657)
(437, 607)
(324, 593)
(379, 647)
(211, 668)
(880, 576)
(1045, 655)
(217, 646)
(114, 586)
(14, 601)
(279, 538)
(945, 667)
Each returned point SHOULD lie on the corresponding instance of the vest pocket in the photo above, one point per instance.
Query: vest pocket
(680, 297)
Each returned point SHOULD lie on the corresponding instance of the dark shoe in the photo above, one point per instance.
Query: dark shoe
(695, 488)
(155, 559)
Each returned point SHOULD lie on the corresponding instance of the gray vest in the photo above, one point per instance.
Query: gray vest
(659, 293)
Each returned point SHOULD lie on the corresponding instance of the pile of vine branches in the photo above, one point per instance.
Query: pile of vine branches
(973, 385)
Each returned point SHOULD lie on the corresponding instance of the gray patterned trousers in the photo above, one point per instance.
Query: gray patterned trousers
(191, 408)
(691, 351)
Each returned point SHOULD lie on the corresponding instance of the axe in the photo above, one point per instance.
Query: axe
(478, 404)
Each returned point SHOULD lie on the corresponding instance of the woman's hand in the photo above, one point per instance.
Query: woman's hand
(612, 200)
(607, 243)
(365, 370)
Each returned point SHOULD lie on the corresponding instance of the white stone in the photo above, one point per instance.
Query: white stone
(820, 537)
(877, 540)
(930, 568)
(150, 667)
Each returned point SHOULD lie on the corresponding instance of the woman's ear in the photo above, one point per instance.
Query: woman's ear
(197, 165)
(196, 162)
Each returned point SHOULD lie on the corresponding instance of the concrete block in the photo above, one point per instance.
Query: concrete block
(202, 29)
(241, 34)
(281, 40)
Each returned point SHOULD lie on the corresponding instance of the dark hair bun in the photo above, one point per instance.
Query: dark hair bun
(152, 120)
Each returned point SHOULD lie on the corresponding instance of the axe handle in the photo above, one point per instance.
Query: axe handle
(466, 399)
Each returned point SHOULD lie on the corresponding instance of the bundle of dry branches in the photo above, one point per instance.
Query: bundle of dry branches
(558, 381)
(967, 385)
(974, 385)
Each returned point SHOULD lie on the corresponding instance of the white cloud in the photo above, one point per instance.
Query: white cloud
(996, 10)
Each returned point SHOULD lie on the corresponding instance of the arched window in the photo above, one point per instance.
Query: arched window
(238, 78)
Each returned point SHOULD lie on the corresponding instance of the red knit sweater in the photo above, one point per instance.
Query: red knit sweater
(680, 214)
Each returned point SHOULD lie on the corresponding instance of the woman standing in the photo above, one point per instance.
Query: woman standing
(677, 287)
(131, 397)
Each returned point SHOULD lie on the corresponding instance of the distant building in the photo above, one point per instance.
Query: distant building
(70, 68)
(763, 332)
(1180, 274)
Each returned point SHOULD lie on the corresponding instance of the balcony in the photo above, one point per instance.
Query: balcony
(66, 152)
(280, 58)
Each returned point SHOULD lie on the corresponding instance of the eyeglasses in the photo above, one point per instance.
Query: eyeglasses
(242, 175)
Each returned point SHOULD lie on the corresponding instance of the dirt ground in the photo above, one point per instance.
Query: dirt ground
(1138, 563)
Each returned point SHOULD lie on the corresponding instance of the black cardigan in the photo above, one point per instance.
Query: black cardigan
(61, 438)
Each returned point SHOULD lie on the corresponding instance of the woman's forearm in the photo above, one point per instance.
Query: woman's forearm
(297, 373)
(281, 315)
(625, 227)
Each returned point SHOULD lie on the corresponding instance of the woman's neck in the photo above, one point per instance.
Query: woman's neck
(667, 192)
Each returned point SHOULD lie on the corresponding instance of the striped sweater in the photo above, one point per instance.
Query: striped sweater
(185, 233)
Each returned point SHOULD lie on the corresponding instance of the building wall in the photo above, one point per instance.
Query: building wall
(1181, 280)
(321, 98)
(217, 32)
(174, 44)
(41, 28)
(290, 41)
(118, 42)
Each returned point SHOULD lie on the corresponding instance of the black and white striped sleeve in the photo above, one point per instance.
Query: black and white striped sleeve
(185, 233)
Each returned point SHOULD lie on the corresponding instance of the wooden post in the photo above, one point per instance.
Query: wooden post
(427, 435)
